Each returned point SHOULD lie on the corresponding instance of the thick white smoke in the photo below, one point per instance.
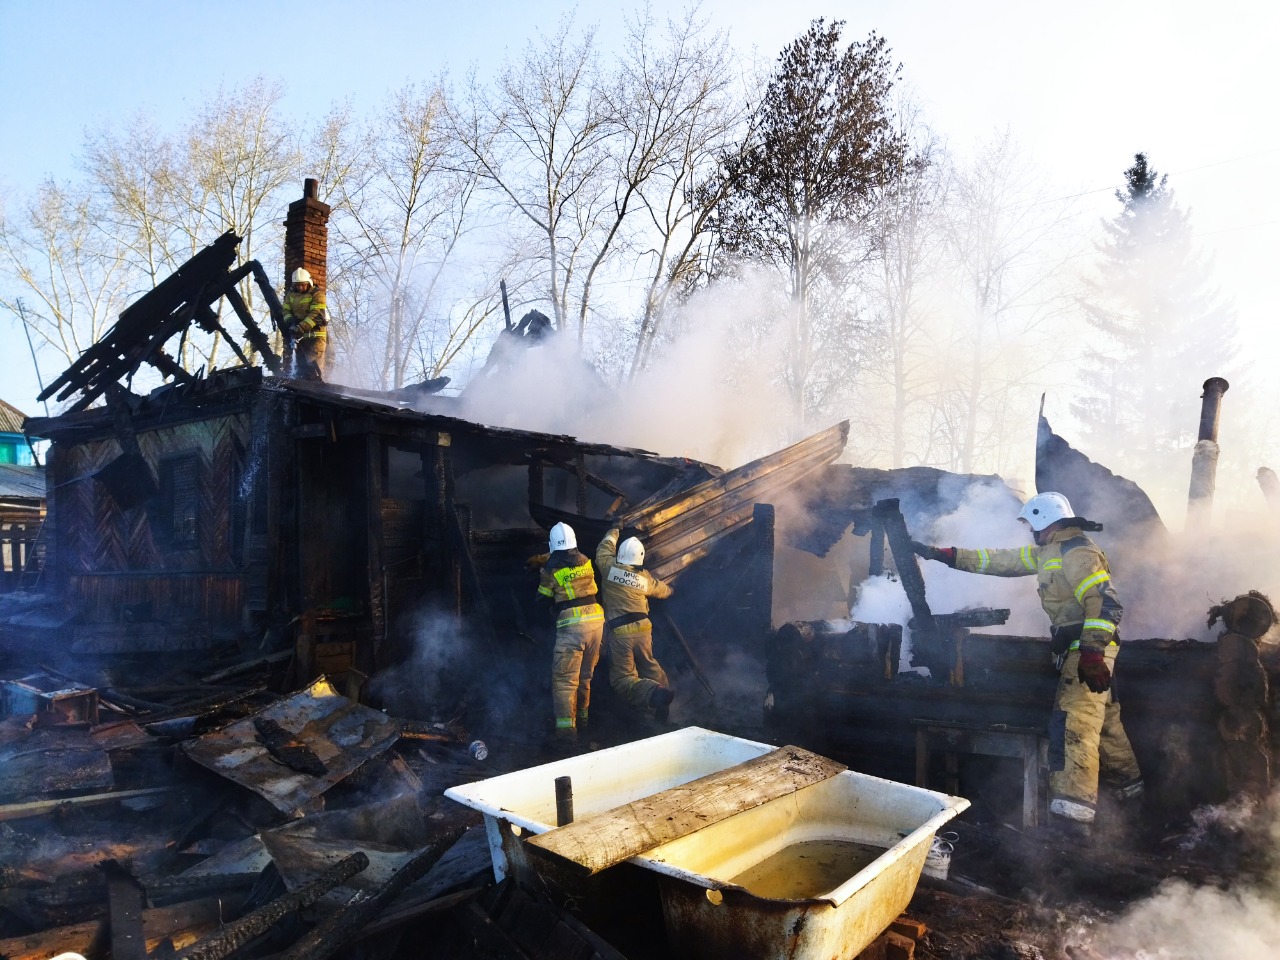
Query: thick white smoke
(1183, 921)
(986, 517)
(713, 395)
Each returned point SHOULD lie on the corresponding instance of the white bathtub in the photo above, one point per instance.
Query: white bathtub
(709, 910)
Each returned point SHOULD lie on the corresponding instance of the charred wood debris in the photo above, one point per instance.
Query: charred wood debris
(206, 777)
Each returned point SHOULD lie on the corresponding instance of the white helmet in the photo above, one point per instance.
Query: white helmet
(1044, 509)
(301, 276)
(562, 538)
(631, 552)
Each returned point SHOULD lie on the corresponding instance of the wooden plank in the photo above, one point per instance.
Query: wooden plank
(124, 907)
(182, 923)
(16, 811)
(601, 841)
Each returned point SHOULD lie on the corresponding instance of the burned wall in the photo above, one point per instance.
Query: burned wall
(171, 555)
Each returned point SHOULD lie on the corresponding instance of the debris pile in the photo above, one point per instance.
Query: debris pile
(191, 817)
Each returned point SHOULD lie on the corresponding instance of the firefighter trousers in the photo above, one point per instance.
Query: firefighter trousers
(1086, 737)
(573, 662)
(308, 358)
(633, 672)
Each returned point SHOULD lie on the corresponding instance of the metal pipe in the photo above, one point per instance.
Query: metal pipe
(1211, 407)
(1204, 461)
(564, 801)
(1270, 485)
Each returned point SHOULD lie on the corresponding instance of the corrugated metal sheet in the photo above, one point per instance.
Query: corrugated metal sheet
(37, 762)
(21, 481)
(10, 418)
(340, 733)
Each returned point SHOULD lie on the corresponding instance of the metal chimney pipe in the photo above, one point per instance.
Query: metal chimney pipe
(1204, 461)
(1211, 407)
(1270, 485)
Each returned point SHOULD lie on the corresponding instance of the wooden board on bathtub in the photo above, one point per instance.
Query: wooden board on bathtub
(605, 839)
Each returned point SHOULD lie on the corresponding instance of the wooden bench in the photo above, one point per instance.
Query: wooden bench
(1028, 744)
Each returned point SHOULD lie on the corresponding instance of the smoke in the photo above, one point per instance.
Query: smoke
(1203, 922)
(986, 517)
(714, 394)
(443, 672)
(882, 600)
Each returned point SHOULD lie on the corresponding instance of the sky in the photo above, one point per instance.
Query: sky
(1082, 86)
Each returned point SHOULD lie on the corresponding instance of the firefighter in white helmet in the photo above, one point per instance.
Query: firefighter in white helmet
(568, 580)
(634, 672)
(1086, 737)
(306, 321)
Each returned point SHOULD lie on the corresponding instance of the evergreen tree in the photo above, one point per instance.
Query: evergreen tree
(1160, 329)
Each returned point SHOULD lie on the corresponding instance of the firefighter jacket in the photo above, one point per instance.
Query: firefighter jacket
(1073, 580)
(305, 314)
(626, 589)
(567, 578)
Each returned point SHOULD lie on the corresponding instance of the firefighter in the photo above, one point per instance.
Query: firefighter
(635, 675)
(568, 580)
(305, 321)
(1086, 736)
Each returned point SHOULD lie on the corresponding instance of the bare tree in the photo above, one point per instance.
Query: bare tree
(1000, 237)
(682, 115)
(70, 276)
(403, 220)
(910, 238)
(541, 139)
(133, 173)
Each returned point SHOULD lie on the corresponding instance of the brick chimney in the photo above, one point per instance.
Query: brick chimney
(306, 236)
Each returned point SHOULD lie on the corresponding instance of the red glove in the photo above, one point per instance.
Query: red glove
(1093, 671)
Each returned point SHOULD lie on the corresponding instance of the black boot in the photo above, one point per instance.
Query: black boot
(660, 700)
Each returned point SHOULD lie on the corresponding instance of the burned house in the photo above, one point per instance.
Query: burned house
(376, 544)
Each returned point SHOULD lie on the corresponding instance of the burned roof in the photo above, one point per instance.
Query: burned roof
(186, 401)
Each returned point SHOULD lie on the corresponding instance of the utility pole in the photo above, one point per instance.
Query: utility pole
(26, 328)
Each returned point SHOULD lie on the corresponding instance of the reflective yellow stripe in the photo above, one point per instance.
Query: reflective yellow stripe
(587, 613)
(984, 558)
(564, 723)
(545, 591)
(1028, 560)
(1076, 645)
(566, 575)
(1054, 564)
(1092, 581)
(1106, 626)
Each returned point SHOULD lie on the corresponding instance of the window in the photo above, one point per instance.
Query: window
(180, 502)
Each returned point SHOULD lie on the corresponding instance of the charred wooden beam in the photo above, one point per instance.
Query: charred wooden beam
(664, 617)
(339, 928)
(124, 903)
(239, 932)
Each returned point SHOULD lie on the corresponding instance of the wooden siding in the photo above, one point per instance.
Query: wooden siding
(102, 538)
(183, 597)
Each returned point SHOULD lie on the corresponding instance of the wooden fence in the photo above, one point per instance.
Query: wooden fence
(21, 554)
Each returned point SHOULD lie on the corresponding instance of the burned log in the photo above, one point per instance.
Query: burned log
(239, 932)
(336, 931)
